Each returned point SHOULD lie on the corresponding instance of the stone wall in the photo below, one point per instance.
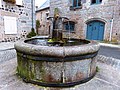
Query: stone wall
(24, 19)
(102, 12)
(44, 23)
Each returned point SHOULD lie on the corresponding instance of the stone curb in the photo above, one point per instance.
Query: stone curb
(7, 49)
(109, 61)
(6, 46)
(109, 45)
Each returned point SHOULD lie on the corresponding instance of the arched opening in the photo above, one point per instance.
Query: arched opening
(95, 30)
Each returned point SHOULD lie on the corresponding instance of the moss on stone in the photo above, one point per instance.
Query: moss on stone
(22, 67)
(97, 69)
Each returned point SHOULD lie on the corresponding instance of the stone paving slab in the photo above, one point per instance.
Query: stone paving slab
(110, 45)
(6, 45)
(7, 55)
(109, 61)
(9, 79)
(107, 78)
(109, 74)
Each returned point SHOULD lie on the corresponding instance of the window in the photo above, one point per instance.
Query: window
(96, 1)
(10, 25)
(41, 16)
(19, 2)
(47, 14)
(69, 26)
(76, 3)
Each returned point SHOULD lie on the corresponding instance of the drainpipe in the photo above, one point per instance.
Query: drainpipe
(111, 30)
(112, 20)
(32, 11)
(111, 27)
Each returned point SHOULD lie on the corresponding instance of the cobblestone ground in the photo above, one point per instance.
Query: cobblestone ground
(108, 77)
(6, 55)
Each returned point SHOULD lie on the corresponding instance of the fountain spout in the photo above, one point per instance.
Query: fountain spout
(57, 22)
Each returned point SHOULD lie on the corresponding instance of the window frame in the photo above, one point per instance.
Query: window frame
(72, 25)
(97, 2)
(77, 6)
(72, 7)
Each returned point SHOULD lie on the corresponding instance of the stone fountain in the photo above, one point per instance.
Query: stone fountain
(56, 62)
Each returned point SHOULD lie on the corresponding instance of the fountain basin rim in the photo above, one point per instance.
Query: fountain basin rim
(64, 51)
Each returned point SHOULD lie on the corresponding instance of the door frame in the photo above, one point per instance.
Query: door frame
(91, 20)
(97, 34)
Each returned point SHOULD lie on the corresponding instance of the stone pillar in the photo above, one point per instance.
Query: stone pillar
(57, 29)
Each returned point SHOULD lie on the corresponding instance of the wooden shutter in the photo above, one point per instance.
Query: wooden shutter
(10, 25)
(19, 2)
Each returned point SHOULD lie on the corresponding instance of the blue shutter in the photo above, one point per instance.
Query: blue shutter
(95, 30)
(77, 3)
(74, 3)
(96, 2)
(89, 31)
(101, 31)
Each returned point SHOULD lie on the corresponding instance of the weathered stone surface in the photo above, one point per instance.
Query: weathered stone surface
(56, 65)
(23, 16)
(64, 51)
(93, 65)
(11, 82)
(77, 70)
(104, 12)
(55, 72)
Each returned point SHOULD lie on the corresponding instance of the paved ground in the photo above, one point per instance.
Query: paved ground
(110, 45)
(110, 52)
(108, 77)
(7, 55)
(6, 45)
(7, 51)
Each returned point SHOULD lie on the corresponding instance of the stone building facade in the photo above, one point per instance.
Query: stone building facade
(42, 13)
(87, 14)
(16, 19)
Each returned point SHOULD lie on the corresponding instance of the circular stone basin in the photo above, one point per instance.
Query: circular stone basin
(66, 42)
(56, 66)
